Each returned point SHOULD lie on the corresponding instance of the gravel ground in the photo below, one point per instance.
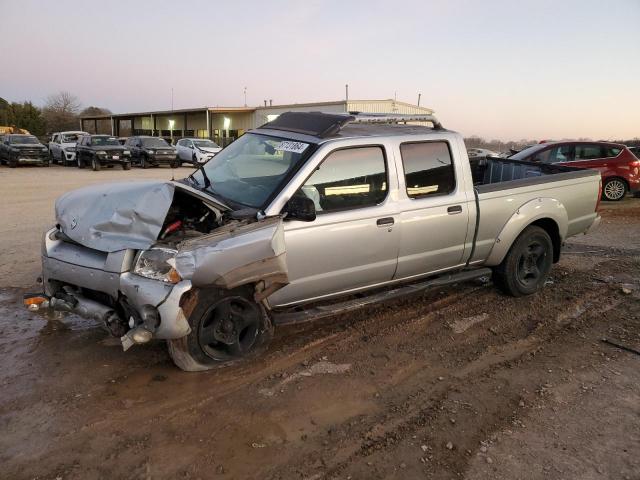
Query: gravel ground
(459, 382)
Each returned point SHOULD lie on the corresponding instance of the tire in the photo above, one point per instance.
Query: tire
(614, 189)
(13, 163)
(46, 163)
(527, 264)
(175, 164)
(52, 158)
(95, 164)
(143, 162)
(79, 160)
(126, 166)
(236, 326)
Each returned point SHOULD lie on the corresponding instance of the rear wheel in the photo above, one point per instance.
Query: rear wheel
(52, 158)
(79, 160)
(126, 166)
(527, 265)
(614, 189)
(13, 162)
(226, 327)
(143, 162)
(95, 164)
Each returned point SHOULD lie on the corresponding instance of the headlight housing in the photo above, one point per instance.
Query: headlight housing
(126, 152)
(101, 152)
(151, 152)
(70, 149)
(157, 264)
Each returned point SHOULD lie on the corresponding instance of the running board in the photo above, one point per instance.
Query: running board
(321, 311)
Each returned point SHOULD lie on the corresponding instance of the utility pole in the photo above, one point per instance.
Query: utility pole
(419, 95)
(245, 96)
(346, 92)
(171, 98)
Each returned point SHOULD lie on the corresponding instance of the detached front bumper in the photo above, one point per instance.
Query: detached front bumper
(99, 285)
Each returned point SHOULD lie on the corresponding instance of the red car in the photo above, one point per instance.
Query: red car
(619, 167)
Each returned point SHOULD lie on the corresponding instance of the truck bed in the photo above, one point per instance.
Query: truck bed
(492, 173)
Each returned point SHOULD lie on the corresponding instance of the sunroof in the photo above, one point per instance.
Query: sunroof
(317, 124)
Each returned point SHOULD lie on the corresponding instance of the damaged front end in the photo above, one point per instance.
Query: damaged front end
(133, 256)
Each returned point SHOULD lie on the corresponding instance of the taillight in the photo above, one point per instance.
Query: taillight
(599, 194)
(635, 163)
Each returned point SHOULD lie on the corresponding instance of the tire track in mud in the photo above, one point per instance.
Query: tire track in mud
(414, 411)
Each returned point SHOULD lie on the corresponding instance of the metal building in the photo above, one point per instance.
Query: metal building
(225, 124)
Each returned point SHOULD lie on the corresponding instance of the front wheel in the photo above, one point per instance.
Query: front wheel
(614, 189)
(95, 164)
(143, 162)
(226, 327)
(527, 264)
(126, 166)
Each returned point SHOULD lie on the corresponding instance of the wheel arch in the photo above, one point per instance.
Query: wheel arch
(546, 213)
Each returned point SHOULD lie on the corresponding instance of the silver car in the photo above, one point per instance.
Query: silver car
(288, 222)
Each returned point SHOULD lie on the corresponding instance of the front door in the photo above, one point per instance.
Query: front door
(353, 242)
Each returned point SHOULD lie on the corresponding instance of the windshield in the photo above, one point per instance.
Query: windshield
(205, 144)
(154, 142)
(28, 140)
(104, 141)
(70, 138)
(527, 152)
(250, 170)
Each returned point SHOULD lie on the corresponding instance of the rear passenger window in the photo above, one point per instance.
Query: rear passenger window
(588, 152)
(350, 178)
(428, 169)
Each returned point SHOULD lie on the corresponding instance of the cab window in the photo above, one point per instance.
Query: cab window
(428, 169)
(348, 179)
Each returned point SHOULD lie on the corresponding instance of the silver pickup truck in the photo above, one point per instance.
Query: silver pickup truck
(310, 215)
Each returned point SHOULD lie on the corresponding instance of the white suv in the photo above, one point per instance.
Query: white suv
(196, 150)
(62, 147)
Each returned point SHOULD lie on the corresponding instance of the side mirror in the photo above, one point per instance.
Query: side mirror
(191, 147)
(300, 208)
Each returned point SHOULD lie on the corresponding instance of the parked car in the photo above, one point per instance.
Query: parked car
(480, 153)
(196, 150)
(101, 150)
(291, 220)
(151, 151)
(17, 149)
(62, 147)
(620, 169)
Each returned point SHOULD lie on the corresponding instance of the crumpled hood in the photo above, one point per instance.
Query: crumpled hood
(115, 216)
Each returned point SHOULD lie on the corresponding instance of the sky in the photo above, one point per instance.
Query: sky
(504, 69)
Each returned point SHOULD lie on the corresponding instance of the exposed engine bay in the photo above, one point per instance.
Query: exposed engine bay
(188, 217)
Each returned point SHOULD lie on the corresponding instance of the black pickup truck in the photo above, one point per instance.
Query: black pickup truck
(101, 150)
(19, 148)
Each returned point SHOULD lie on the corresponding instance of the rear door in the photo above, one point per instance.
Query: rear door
(434, 206)
(353, 242)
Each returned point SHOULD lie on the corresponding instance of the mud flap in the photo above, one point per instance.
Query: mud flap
(232, 256)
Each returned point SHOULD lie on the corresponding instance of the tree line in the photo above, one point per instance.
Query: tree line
(61, 111)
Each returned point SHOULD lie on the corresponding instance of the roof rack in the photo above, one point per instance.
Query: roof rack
(325, 125)
(360, 117)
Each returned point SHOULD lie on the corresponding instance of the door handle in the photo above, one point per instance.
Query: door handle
(454, 210)
(385, 222)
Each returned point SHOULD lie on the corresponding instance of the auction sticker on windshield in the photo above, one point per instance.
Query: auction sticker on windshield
(289, 146)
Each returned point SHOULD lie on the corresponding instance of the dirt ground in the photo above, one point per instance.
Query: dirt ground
(460, 382)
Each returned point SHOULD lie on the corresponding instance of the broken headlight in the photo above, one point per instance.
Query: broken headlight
(157, 264)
